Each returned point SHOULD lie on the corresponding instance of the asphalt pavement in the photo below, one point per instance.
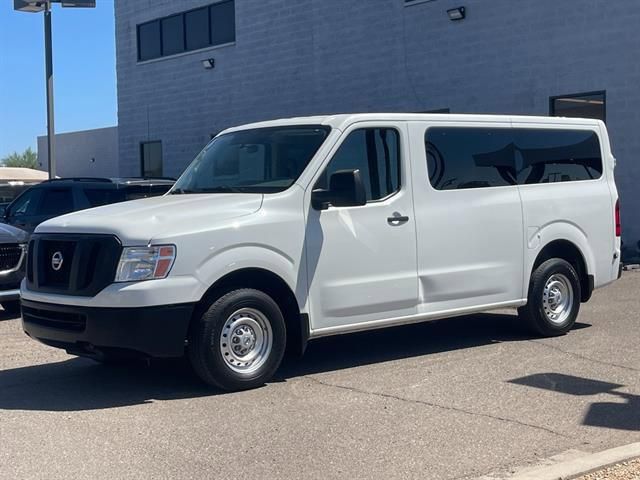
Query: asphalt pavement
(459, 398)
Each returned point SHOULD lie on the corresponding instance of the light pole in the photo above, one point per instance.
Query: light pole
(35, 6)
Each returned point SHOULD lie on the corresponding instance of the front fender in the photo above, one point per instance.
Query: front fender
(256, 256)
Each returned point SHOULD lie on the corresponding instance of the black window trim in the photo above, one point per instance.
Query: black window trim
(520, 126)
(552, 99)
(343, 138)
(184, 30)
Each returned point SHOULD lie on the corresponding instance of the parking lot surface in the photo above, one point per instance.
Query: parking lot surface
(457, 398)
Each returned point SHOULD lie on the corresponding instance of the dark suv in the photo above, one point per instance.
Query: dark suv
(13, 246)
(56, 197)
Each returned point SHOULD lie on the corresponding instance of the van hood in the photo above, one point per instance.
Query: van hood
(138, 222)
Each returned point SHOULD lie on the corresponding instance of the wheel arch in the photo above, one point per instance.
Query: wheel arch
(297, 323)
(569, 251)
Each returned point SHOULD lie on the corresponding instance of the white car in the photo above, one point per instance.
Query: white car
(285, 231)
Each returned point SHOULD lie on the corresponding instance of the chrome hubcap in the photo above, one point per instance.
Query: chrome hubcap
(557, 298)
(246, 340)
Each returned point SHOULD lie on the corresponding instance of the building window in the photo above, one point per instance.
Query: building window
(188, 31)
(197, 28)
(223, 24)
(582, 105)
(149, 41)
(151, 159)
(172, 35)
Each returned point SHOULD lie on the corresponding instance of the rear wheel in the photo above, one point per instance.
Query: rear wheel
(239, 341)
(554, 298)
(12, 307)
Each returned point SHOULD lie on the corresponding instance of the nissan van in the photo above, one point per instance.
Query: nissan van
(285, 231)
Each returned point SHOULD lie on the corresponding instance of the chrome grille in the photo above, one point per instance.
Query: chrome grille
(10, 256)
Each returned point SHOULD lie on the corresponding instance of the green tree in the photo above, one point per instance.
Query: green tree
(26, 159)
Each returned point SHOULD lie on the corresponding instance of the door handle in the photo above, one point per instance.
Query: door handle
(397, 219)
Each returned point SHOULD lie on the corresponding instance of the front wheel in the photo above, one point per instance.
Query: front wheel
(554, 298)
(239, 341)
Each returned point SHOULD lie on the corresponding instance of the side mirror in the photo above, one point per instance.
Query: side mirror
(345, 190)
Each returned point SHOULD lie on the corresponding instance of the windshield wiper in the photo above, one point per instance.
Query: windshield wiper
(218, 189)
(224, 189)
(179, 191)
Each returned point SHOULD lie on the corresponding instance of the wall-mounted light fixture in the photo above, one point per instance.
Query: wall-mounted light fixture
(209, 63)
(456, 14)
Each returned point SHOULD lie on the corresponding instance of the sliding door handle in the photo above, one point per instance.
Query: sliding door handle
(397, 219)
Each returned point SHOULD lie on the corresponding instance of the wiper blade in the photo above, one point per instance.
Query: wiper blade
(218, 189)
(181, 191)
(224, 189)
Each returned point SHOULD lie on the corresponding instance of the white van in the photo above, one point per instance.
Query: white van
(285, 231)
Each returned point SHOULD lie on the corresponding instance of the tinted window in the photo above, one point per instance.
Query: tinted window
(191, 30)
(23, 205)
(459, 158)
(151, 159)
(56, 201)
(589, 105)
(103, 196)
(9, 192)
(149, 40)
(172, 35)
(223, 23)
(261, 160)
(197, 24)
(376, 153)
(546, 156)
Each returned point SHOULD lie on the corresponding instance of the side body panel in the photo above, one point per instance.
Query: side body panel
(360, 267)
(469, 240)
(578, 211)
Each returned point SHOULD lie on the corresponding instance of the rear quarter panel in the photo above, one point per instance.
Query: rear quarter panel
(578, 211)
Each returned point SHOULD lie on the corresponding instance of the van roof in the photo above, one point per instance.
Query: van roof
(343, 120)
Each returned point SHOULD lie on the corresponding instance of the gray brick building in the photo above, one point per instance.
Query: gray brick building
(288, 58)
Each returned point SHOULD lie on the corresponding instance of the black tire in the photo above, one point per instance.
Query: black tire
(206, 340)
(538, 310)
(12, 307)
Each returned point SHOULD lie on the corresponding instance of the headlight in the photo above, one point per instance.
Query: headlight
(145, 263)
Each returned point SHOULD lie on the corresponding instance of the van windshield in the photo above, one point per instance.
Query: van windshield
(262, 160)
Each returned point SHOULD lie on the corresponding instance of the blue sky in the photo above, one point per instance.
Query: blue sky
(84, 72)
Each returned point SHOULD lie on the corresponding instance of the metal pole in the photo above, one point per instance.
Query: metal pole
(49, 79)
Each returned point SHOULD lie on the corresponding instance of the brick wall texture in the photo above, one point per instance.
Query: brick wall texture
(303, 57)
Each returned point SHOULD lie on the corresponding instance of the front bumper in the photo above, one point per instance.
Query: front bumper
(10, 284)
(158, 331)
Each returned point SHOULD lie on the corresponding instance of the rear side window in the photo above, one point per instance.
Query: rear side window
(548, 156)
(376, 153)
(56, 201)
(103, 196)
(461, 157)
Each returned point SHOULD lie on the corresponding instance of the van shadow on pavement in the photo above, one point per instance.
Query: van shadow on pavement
(619, 415)
(81, 384)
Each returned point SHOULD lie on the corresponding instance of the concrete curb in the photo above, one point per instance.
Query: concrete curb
(581, 465)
